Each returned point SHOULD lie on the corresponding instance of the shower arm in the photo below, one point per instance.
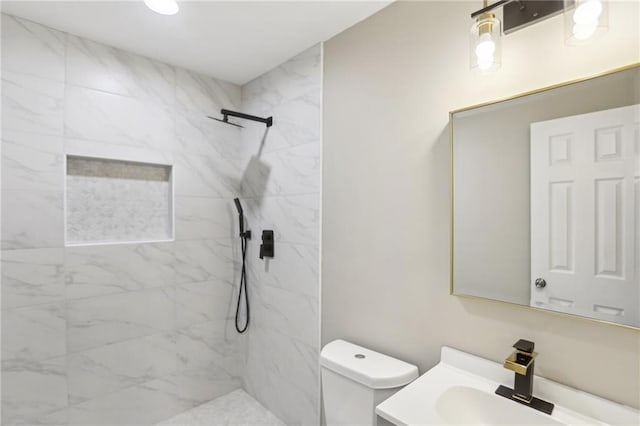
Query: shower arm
(226, 113)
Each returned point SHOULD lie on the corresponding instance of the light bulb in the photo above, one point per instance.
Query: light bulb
(587, 12)
(163, 7)
(585, 19)
(584, 31)
(485, 43)
(485, 48)
(485, 63)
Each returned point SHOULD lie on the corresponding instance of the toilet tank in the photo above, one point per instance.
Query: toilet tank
(356, 379)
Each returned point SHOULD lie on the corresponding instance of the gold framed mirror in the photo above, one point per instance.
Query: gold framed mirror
(545, 199)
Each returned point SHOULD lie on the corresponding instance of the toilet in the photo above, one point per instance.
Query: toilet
(355, 380)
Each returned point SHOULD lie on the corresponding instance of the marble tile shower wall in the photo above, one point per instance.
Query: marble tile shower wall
(282, 184)
(113, 334)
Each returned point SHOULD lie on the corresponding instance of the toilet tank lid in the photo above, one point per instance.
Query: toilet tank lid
(370, 368)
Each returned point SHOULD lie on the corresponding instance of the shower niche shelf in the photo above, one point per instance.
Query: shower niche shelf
(110, 201)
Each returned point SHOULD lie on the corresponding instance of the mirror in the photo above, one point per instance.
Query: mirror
(546, 199)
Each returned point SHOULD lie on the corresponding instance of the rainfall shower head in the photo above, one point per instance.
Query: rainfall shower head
(225, 119)
(227, 113)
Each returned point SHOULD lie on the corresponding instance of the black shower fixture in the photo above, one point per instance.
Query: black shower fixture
(228, 113)
(266, 248)
(244, 236)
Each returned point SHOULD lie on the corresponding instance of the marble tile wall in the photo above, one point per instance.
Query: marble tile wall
(113, 334)
(281, 186)
(135, 333)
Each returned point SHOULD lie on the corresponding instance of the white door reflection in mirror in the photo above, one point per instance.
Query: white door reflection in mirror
(585, 214)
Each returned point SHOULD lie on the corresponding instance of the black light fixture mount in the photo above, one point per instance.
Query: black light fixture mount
(518, 14)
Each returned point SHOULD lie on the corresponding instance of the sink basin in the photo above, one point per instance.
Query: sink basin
(460, 390)
(463, 405)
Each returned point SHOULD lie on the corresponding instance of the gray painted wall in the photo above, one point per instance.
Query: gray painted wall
(389, 84)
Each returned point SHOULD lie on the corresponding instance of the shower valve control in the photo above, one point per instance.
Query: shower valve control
(266, 248)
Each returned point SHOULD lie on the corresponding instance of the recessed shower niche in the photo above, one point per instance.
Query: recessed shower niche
(116, 201)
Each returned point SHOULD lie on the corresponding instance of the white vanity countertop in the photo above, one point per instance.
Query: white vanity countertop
(460, 390)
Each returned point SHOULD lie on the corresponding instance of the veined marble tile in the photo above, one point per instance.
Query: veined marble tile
(106, 117)
(295, 122)
(98, 66)
(198, 134)
(32, 277)
(206, 95)
(204, 218)
(199, 386)
(57, 418)
(202, 302)
(294, 219)
(206, 176)
(116, 366)
(31, 390)
(212, 346)
(294, 269)
(256, 139)
(287, 403)
(236, 408)
(32, 162)
(34, 333)
(101, 320)
(298, 76)
(291, 314)
(290, 171)
(88, 148)
(295, 362)
(32, 104)
(107, 269)
(32, 48)
(206, 260)
(291, 93)
(139, 405)
(299, 120)
(32, 219)
(256, 177)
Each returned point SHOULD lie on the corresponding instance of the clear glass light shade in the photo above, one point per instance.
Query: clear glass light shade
(163, 7)
(485, 43)
(585, 20)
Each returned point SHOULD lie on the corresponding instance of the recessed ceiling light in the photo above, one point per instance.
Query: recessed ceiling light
(164, 7)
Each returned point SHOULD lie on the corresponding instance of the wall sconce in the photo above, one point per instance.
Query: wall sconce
(584, 19)
(486, 42)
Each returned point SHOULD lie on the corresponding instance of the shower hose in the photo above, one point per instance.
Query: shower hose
(243, 289)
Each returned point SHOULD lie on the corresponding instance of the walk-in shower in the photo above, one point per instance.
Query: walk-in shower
(120, 255)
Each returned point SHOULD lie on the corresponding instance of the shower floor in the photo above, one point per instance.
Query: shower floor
(237, 408)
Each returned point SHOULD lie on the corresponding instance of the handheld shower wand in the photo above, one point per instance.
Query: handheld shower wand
(244, 236)
(241, 219)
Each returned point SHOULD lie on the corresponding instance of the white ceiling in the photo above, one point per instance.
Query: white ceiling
(232, 40)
